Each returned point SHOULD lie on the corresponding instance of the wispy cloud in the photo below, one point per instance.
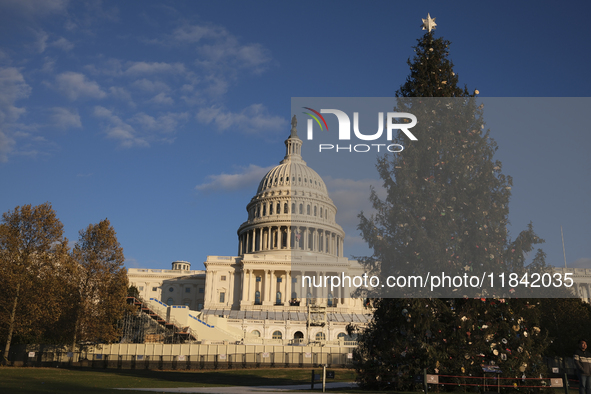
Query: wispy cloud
(32, 8)
(243, 178)
(253, 119)
(62, 44)
(217, 47)
(12, 88)
(75, 85)
(119, 130)
(166, 123)
(65, 118)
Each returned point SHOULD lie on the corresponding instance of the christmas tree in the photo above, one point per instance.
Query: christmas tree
(446, 210)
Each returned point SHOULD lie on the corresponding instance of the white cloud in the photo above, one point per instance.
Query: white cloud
(150, 86)
(31, 8)
(137, 68)
(166, 123)
(12, 88)
(62, 44)
(217, 47)
(75, 85)
(121, 94)
(245, 178)
(118, 130)
(253, 119)
(48, 65)
(65, 118)
(7, 144)
(41, 41)
(162, 99)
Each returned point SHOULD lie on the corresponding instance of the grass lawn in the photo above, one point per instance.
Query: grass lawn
(56, 380)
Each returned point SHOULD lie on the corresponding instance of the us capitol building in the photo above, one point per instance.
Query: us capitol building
(290, 235)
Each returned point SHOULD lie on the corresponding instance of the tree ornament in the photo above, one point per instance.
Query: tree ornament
(429, 23)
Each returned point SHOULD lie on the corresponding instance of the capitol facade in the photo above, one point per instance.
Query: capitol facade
(272, 289)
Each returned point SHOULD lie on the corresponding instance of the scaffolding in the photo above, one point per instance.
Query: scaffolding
(144, 325)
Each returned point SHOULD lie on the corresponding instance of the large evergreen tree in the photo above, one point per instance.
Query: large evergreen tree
(446, 210)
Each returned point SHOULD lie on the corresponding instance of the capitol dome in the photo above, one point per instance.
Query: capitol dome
(291, 209)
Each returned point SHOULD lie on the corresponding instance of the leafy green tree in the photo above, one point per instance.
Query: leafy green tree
(33, 255)
(446, 208)
(101, 284)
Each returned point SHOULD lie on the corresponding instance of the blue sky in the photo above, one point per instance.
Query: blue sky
(164, 116)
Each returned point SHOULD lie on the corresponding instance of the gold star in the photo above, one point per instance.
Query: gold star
(429, 23)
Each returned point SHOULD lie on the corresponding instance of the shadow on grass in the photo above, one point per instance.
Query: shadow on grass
(91, 381)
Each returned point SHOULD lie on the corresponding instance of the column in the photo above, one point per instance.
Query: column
(249, 291)
(288, 237)
(287, 286)
(244, 286)
(211, 285)
(260, 239)
(230, 295)
(266, 291)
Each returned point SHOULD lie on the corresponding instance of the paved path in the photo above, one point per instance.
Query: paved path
(249, 389)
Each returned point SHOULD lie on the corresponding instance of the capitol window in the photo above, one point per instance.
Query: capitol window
(301, 209)
(277, 335)
(315, 211)
(320, 336)
(285, 208)
(187, 289)
(222, 297)
(171, 289)
(223, 277)
(308, 210)
(256, 333)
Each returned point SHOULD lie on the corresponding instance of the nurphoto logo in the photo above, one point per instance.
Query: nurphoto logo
(394, 121)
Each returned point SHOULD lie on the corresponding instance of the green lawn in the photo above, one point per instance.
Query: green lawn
(56, 380)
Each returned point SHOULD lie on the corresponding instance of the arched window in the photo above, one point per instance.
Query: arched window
(298, 335)
(256, 333)
(278, 298)
(277, 335)
(320, 336)
(285, 208)
(301, 209)
(292, 207)
(315, 211)
(278, 208)
(308, 210)
(321, 212)
(265, 210)
(342, 336)
(257, 297)
(270, 209)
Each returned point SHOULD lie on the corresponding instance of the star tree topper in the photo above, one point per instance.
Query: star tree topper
(429, 23)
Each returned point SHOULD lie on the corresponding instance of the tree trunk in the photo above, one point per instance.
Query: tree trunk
(11, 326)
(75, 331)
